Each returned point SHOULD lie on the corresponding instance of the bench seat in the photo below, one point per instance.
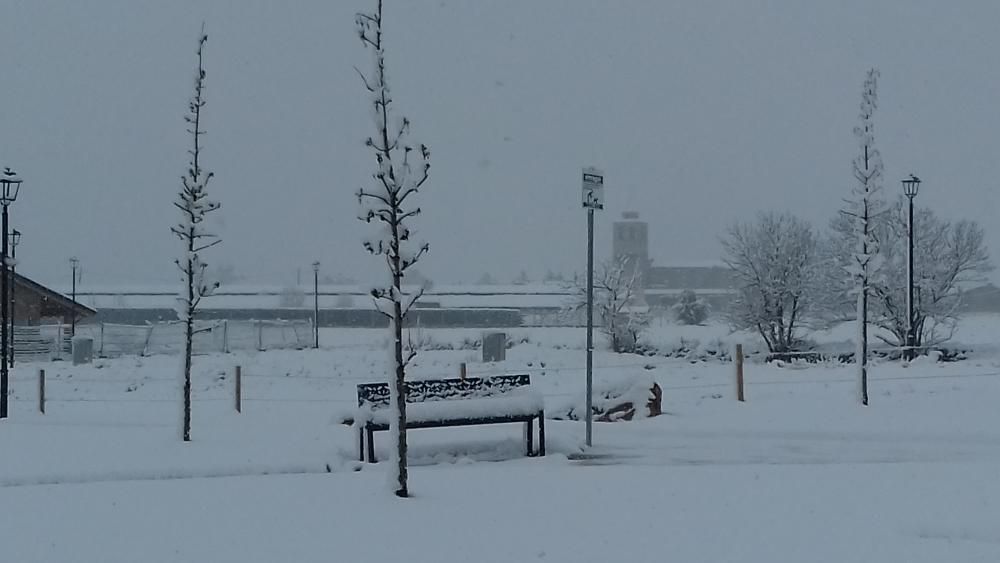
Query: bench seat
(515, 405)
(451, 402)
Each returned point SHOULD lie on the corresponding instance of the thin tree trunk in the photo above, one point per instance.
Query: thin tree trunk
(402, 489)
(861, 354)
(188, 341)
(400, 384)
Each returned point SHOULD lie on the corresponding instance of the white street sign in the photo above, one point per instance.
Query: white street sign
(593, 188)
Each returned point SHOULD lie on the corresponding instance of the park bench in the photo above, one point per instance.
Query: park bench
(438, 403)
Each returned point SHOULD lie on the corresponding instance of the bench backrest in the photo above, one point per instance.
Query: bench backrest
(377, 394)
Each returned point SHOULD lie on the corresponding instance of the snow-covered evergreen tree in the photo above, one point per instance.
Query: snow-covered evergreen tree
(194, 205)
(863, 207)
(401, 169)
(690, 309)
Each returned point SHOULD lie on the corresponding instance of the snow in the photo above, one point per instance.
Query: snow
(513, 403)
(800, 472)
(571, 524)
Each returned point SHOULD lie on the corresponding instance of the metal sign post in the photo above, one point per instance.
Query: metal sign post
(593, 198)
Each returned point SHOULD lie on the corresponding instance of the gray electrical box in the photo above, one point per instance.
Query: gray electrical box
(494, 346)
(83, 350)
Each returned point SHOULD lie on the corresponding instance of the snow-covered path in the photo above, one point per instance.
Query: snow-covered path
(530, 510)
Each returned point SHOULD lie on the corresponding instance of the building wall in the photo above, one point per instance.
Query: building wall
(694, 277)
(33, 308)
(631, 239)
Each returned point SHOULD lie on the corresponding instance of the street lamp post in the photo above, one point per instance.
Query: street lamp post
(10, 184)
(74, 263)
(911, 186)
(15, 239)
(316, 304)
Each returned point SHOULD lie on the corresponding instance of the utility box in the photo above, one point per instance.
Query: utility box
(83, 350)
(494, 346)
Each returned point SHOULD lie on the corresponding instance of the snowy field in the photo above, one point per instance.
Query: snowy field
(800, 472)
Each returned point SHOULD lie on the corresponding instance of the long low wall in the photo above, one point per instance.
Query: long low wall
(357, 318)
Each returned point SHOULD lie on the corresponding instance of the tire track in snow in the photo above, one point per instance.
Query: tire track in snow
(160, 475)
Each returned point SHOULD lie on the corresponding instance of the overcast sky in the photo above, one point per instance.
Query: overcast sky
(700, 113)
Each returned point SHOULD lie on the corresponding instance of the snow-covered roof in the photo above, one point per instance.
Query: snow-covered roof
(509, 296)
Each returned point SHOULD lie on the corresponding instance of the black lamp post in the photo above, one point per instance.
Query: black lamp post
(15, 239)
(316, 304)
(911, 186)
(10, 184)
(74, 263)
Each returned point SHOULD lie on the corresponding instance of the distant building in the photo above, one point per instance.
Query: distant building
(984, 299)
(35, 304)
(660, 285)
(631, 242)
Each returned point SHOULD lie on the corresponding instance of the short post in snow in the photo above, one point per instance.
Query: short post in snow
(239, 389)
(316, 304)
(738, 362)
(593, 198)
(41, 391)
(461, 371)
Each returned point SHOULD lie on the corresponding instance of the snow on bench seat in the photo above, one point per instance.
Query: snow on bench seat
(513, 404)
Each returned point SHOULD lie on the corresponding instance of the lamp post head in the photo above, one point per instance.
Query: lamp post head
(316, 266)
(10, 184)
(911, 186)
(74, 262)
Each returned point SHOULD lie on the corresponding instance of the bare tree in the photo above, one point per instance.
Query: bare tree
(946, 256)
(194, 205)
(401, 169)
(774, 267)
(622, 318)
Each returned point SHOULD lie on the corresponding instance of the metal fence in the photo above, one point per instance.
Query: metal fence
(48, 342)
(40, 342)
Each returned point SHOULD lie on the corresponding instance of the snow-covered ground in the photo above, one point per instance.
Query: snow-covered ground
(800, 472)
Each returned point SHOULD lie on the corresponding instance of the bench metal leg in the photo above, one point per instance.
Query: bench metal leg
(529, 436)
(541, 433)
(371, 445)
(361, 443)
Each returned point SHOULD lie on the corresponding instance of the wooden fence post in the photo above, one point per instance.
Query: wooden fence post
(738, 360)
(461, 371)
(239, 389)
(41, 391)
